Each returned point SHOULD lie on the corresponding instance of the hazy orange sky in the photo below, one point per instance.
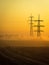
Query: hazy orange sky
(14, 15)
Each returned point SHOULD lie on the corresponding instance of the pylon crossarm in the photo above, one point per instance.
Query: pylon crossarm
(38, 20)
(30, 23)
(31, 16)
(38, 31)
(30, 20)
(38, 25)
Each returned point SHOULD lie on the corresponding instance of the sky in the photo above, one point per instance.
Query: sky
(14, 16)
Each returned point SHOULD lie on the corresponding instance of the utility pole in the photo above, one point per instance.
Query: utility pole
(31, 25)
(39, 26)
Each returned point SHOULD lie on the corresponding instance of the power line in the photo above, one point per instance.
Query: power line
(38, 26)
(31, 25)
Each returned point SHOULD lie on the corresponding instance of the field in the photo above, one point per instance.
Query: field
(23, 55)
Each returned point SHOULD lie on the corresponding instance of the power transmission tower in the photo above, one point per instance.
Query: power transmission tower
(39, 26)
(31, 25)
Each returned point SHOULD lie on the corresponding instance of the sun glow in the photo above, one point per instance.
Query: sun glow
(14, 16)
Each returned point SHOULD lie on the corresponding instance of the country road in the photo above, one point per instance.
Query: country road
(24, 56)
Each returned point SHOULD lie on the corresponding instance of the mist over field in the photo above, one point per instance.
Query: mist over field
(24, 52)
(24, 43)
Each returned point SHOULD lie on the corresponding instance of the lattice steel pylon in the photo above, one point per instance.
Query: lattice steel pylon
(31, 25)
(39, 26)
